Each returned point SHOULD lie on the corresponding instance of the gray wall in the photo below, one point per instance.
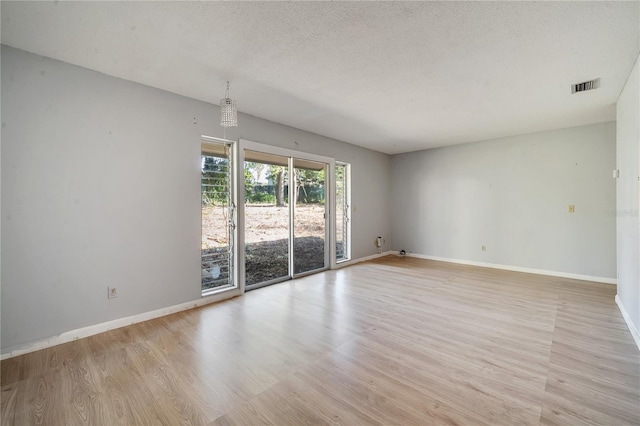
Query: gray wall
(628, 159)
(511, 195)
(101, 186)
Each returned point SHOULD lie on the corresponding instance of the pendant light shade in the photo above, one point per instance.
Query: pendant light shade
(228, 111)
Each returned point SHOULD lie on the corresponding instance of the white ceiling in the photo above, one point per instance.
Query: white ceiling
(392, 76)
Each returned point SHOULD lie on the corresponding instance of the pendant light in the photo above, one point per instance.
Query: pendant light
(228, 111)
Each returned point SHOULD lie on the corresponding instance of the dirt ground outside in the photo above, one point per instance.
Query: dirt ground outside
(266, 240)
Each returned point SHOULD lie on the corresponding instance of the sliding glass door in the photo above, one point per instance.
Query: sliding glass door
(291, 218)
(266, 218)
(309, 216)
(286, 215)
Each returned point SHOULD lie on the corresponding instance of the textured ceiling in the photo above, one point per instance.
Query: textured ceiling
(392, 76)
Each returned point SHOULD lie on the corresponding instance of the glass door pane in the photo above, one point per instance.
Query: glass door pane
(309, 224)
(217, 217)
(266, 229)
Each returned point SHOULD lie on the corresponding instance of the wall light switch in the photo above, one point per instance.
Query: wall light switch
(572, 208)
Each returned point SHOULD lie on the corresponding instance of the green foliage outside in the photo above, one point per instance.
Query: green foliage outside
(309, 184)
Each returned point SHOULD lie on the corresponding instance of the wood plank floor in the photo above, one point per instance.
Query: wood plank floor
(393, 341)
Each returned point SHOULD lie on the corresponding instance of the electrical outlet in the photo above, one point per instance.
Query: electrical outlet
(572, 208)
(112, 292)
(484, 248)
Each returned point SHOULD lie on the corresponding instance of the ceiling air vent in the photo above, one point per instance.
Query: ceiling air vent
(584, 86)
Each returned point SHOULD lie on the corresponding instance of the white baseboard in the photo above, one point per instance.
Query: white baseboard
(630, 324)
(363, 259)
(604, 280)
(91, 330)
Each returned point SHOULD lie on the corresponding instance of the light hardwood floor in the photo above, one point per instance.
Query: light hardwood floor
(393, 341)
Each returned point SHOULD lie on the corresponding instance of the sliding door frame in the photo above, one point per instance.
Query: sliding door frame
(330, 249)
